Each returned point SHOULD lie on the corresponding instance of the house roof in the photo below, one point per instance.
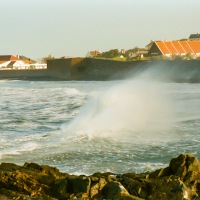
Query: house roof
(178, 47)
(16, 63)
(26, 59)
(148, 46)
(4, 63)
(8, 58)
(23, 57)
(194, 36)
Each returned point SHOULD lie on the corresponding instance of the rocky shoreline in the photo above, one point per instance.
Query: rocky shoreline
(180, 180)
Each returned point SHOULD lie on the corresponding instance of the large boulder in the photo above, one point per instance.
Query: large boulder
(96, 188)
(183, 165)
(79, 185)
(115, 190)
(170, 187)
(180, 180)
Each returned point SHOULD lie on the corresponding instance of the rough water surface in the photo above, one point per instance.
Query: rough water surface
(85, 127)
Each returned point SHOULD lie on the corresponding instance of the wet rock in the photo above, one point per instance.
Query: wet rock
(184, 164)
(80, 184)
(160, 173)
(169, 188)
(33, 166)
(180, 180)
(61, 187)
(97, 186)
(115, 190)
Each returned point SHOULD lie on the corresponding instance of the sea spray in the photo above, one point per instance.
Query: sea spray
(132, 109)
(57, 117)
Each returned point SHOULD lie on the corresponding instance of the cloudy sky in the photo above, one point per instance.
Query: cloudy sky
(37, 28)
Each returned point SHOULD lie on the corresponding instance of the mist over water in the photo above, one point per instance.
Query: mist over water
(84, 127)
(134, 110)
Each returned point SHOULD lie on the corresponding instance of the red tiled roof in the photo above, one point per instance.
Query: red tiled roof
(195, 45)
(8, 58)
(178, 47)
(186, 46)
(162, 48)
(172, 49)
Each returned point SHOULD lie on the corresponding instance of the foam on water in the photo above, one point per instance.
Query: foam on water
(29, 146)
(84, 127)
(136, 110)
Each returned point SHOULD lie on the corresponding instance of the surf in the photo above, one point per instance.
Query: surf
(131, 109)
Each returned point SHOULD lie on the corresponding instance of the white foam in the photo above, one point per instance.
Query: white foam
(29, 146)
(132, 108)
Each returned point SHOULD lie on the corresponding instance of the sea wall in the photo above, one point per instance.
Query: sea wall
(173, 70)
(91, 69)
(103, 69)
(24, 74)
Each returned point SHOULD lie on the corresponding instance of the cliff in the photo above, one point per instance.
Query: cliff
(180, 180)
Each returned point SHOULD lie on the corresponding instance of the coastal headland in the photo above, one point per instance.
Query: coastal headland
(180, 180)
(103, 69)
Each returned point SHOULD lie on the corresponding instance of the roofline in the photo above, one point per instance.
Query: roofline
(175, 48)
(182, 47)
(159, 48)
(190, 47)
(167, 48)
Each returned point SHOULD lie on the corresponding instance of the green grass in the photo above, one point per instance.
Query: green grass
(118, 58)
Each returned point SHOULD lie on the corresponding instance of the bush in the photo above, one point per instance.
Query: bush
(110, 54)
(177, 57)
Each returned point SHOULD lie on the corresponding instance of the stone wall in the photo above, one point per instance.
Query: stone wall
(91, 69)
(102, 69)
(24, 74)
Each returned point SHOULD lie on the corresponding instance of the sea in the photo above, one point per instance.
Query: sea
(82, 127)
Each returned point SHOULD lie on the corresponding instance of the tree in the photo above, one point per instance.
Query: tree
(110, 54)
(49, 57)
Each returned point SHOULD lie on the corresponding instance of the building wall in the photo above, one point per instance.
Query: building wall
(154, 51)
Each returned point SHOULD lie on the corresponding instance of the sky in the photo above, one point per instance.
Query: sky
(37, 28)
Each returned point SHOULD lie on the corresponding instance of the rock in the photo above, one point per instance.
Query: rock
(136, 187)
(170, 188)
(97, 186)
(180, 180)
(160, 173)
(115, 190)
(8, 167)
(102, 183)
(79, 184)
(183, 164)
(95, 192)
(187, 167)
(61, 186)
(33, 166)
